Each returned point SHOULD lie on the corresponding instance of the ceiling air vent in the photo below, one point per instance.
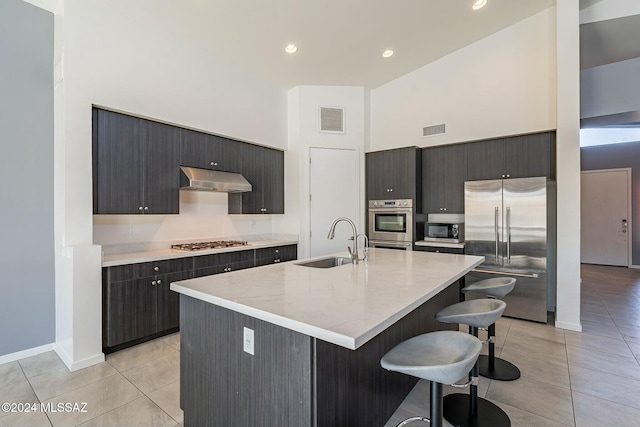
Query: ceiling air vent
(332, 119)
(433, 130)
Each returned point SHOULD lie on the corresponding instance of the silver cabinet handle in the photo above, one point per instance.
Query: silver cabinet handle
(146, 208)
(159, 282)
(156, 268)
(153, 283)
(214, 163)
(140, 208)
(495, 226)
(509, 233)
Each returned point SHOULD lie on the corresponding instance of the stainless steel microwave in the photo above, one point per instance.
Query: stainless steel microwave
(444, 232)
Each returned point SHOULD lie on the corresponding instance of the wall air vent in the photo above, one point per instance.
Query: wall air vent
(332, 119)
(433, 130)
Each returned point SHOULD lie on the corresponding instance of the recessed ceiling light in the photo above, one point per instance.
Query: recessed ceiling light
(291, 48)
(387, 53)
(479, 4)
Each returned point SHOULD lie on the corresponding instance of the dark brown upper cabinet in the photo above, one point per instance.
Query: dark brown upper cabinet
(135, 167)
(264, 169)
(444, 171)
(394, 174)
(512, 157)
(205, 151)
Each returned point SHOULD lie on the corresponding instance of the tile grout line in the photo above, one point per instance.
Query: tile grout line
(34, 392)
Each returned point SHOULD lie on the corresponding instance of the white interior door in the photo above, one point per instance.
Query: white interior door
(605, 217)
(333, 183)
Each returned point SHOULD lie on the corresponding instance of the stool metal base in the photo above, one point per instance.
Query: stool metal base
(456, 411)
(502, 370)
(412, 419)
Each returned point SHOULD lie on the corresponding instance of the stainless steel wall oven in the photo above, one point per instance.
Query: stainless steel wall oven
(391, 223)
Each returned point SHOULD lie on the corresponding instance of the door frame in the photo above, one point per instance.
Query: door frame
(629, 209)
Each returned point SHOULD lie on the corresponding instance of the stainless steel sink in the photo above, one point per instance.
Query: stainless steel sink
(333, 261)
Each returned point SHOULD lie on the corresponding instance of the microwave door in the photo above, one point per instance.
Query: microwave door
(483, 218)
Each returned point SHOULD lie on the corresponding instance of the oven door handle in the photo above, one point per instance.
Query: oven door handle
(391, 210)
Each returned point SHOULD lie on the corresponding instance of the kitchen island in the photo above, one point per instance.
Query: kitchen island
(318, 335)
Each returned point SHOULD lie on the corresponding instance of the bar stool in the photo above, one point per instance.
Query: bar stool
(491, 366)
(442, 357)
(469, 410)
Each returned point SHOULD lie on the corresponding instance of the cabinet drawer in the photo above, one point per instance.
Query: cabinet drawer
(148, 269)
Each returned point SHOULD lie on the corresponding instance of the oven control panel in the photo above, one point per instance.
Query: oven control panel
(402, 203)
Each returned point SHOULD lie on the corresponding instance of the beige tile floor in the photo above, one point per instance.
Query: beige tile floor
(568, 379)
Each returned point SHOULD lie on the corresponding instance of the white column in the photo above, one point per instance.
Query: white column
(568, 164)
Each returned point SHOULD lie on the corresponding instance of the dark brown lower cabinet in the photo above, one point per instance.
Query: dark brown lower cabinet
(138, 303)
(129, 311)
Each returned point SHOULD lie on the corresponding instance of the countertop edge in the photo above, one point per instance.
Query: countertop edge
(114, 260)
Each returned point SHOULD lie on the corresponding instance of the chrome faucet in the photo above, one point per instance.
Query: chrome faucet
(365, 250)
(353, 254)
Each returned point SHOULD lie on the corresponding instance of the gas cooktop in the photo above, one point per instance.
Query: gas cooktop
(209, 245)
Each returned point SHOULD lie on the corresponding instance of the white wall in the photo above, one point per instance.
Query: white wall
(610, 89)
(304, 103)
(134, 58)
(501, 85)
(609, 9)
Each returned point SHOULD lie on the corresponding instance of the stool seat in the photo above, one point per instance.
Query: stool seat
(479, 313)
(444, 356)
(496, 287)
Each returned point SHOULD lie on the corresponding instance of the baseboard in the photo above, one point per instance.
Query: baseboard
(80, 364)
(634, 266)
(26, 353)
(577, 327)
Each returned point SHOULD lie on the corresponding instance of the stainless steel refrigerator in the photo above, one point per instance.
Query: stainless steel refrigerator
(506, 222)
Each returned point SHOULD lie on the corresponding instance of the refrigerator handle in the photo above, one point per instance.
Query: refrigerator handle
(508, 234)
(495, 226)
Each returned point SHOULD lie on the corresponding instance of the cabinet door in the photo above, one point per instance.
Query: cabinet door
(377, 170)
(129, 310)
(264, 169)
(432, 175)
(161, 174)
(237, 260)
(206, 265)
(117, 163)
(401, 173)
(273, 181)
(168, 301)
(392, 174)
(252, 169)
(454, 174)
(485, 160)
(529, 155)
(205, 151)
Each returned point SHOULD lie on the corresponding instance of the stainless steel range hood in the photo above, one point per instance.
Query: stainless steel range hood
(209, 180)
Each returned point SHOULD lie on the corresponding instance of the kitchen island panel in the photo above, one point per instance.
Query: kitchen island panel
(221, 385)
(352, 388)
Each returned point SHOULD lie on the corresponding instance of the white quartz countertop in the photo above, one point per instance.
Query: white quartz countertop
(346, 305)
(168, 253)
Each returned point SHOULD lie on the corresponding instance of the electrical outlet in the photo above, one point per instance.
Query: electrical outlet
(248, 340)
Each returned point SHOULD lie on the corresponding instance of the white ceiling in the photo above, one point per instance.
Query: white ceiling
(340, 41)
